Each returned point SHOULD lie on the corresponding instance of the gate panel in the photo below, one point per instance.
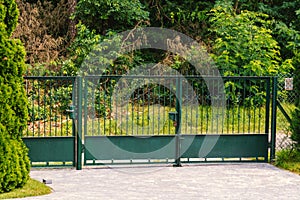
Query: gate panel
(246, 147)
(50, 134)
(162, 120)
(51, 149)
(129, 149)
(131, 125)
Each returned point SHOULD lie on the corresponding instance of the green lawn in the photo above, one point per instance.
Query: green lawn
(154, 120)
(31, 188)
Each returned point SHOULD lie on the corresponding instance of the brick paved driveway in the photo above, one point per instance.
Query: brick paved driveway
(210, 181)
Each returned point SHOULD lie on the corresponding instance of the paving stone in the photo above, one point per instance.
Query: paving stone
(205, 181)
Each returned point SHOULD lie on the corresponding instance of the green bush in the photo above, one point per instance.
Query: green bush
(296, 113)
(103, 15)
(13, 101)
(14, 162)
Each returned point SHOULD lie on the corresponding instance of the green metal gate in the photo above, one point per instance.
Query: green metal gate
(175, 119)
(149, 119)
(50, 135)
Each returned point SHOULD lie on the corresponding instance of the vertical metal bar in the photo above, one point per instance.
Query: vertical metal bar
(45, 102)
(39, 110)
(159, 106)
(223, 113)
(228, 113)
(164, 104)
(67, 116)
(73, 99)
(118, 109)
(249, 108)
(244, 105)
(105, 106)
(170, 101)
(32, 107)
(27, 82)
(217, 107)
(132, 113)
(111, 104)
(273, 118)
(127, 114)
(50, 107)
(186, 114)
(178, 122)
(93, 107)
(79, 124)
(259, 111)
(147, 85)
(137, 111)
(239, 107)
(254, 112)
(268, 97)
(153, 112)
(207, 113)
(203, 102)
(85, 83)
(212, 96)
(233, 109)
(197, 103)
(60, 84)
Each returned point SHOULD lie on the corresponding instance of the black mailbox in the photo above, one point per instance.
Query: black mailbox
(71, 111)
(173, 116)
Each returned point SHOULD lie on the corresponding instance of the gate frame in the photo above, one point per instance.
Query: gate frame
(78, 146)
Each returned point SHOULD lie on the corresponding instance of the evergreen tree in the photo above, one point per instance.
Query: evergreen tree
(14, 162)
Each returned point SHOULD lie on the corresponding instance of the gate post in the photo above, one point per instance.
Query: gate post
(178, 120)
(79, 124)
(273, 118)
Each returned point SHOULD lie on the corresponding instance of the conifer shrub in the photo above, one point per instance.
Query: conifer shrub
(14, 162)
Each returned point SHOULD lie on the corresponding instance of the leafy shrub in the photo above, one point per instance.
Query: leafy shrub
(244, 46)
(103, 15)
(296, 114)
(288, 159)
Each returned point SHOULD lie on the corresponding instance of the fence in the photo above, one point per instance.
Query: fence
(286, 104)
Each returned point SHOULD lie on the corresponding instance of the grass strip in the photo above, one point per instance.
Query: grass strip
(31, 188)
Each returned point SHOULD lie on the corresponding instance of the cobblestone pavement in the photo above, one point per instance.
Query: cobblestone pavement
(206, 181)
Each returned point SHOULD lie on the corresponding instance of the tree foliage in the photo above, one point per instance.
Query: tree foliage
(257, 38)
(14, 163)
(44, 30)
(104, 15)
(243, 43)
